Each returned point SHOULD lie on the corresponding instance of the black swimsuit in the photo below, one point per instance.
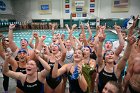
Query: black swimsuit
(22, 70)
(53, 82)
(35, 87)
(74, 85)
(104, 77)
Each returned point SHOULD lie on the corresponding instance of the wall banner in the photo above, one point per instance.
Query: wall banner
(5, 7)
(45, 7)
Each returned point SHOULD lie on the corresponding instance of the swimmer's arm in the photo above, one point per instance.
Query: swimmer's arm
(99, 59)
(127, 78)
(53, 27)
(10, 36)
(121, 64)
(9, 73)
(89, 30)
(121, 41)
(13, 63)
(57, 72)
(31, 42)
(63, 49)
(82, 82)
(123, 60)
(84, 35)
(44, 63)
(133, 26)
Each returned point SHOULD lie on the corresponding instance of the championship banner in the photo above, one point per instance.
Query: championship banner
(5, 7)
(45, 7)
(79, 6)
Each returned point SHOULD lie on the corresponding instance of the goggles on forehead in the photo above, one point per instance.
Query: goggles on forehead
(24, 39)
(22, 51)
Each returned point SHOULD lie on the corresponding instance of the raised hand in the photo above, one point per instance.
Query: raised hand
(37, 53)
(117, 28)
(43, 37)
(7, 55)
(74, 26)
(103, 27)
(101, 36)
(11, 26)
(35, 34)
(66, 25)
(131, 39)
(87, 24)
(134, 23)
(79, 69)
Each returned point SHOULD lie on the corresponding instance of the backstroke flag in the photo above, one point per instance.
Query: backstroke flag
(5, 7)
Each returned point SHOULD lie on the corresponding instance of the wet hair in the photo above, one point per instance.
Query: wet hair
(22, 50)
(24, 39)
(109, 41)
(106, 53)
(89, 48)
(57, 46)
(4, 38)
(117, 85)
(37, 65)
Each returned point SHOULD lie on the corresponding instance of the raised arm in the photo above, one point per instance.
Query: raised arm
(71, 31)
(62, 47)
(57, 72)
(133, 26)
(123, 60)
(121, 41)
(9, 73)
(10, 36)
(101, 37)
(31, 42)
(89, 30)
(42, 61)
(84, 35)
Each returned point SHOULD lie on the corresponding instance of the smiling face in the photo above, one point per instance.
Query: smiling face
(55, 48)
(78, 55)
(109, 88)
(5, 41)
(54, 38)
(108, 45)
(109, 57)
(86, 52)
(68, 44)
(31, 67)
(81, 37)
(23, 43)
(22, 56)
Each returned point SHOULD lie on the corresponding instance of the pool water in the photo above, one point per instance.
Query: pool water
(27, 34)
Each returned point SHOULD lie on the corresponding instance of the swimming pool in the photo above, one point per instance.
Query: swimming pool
(27, 34)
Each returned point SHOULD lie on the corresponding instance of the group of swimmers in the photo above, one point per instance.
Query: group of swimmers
(81, 62)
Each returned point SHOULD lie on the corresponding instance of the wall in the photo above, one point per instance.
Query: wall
(8, 13)
(28, 9)
(105, 9)
(22, 9)
(56, 10)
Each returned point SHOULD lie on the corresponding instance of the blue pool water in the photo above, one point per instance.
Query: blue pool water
(19, 34)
